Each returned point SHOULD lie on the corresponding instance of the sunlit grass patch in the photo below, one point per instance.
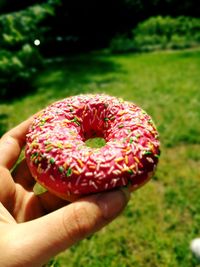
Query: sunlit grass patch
(163, 216)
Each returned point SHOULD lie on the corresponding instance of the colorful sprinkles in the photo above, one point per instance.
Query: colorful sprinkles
(59, 159)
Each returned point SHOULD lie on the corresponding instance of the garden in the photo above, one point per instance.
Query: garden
(154, 63)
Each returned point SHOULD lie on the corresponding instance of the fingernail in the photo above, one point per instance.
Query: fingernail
(112, 203)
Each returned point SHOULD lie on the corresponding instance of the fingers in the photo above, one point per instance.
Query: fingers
(12, 142)
(51, 234)
(5, 216)
(7, 189)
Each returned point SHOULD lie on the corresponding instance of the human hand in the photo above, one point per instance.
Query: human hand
(35, 228)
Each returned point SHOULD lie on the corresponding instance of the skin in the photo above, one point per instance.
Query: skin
(35, 228)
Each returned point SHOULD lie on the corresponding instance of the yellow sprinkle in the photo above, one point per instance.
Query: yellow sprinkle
(34, 145)
(136, 159)
(92, 167)
(125, 150)
(122, 112)
(67, 145)
(95, 113)
(119, 159)
(76, 172)
(65, 165)
(39, 169)
(132, 167)
(80, 163)
(126, 159)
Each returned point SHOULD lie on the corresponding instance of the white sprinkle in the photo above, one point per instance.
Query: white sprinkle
(106, 186)
(100, 175)
(105, 165)
(52, 178)
(88, 174)
(128, 152)
(119, 166)
(116, 172)
(78, 169)
(123, 181)
(110, 170)
(93, 184)
(149, 159)
(78, 180)
(111, 158)
(84, 184)
(114, 181)
(98, 165)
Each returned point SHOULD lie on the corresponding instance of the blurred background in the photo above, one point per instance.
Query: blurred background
(147, 52)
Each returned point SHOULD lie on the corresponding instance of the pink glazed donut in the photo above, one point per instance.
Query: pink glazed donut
(59, 159)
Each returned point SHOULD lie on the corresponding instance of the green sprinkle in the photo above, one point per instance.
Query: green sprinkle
(157, 156)
(121, 126)
(52, 160)
(147, 153)
(76, 121)
(61, 169)
(131, 140)
(34, 155)
(69, 172)
(49, 149)
(112, 118)
(106, 119)
(60, 146)
(130, 171)
(47, 142)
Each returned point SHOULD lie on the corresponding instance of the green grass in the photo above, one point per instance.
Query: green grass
(163, 216)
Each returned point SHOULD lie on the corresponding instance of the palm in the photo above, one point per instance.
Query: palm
(17, 188)
(31, 206)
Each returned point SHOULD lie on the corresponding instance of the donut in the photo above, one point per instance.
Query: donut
(60, 160)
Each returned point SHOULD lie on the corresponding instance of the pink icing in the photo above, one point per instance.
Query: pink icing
(59, 159)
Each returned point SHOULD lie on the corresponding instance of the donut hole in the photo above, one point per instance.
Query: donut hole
(96, 142)
(94, 123)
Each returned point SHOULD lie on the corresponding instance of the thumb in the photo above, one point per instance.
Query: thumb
(47, 236)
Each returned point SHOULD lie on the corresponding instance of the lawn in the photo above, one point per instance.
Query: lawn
(158, 224)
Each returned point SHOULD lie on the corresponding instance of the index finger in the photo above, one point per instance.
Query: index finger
(12, 143)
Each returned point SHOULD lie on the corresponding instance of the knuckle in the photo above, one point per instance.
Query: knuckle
(82, 220)
(81, 223)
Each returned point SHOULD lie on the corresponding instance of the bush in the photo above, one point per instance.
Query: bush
(16, 70)
(166, 32)
(19, 58)
(121, 44)
(158, 33)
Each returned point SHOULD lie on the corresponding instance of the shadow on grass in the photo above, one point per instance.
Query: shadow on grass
(65, 76)
(16, 90)
(71, 75)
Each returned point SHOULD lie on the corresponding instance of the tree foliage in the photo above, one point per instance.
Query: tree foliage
(19, 58)
(66, 26)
